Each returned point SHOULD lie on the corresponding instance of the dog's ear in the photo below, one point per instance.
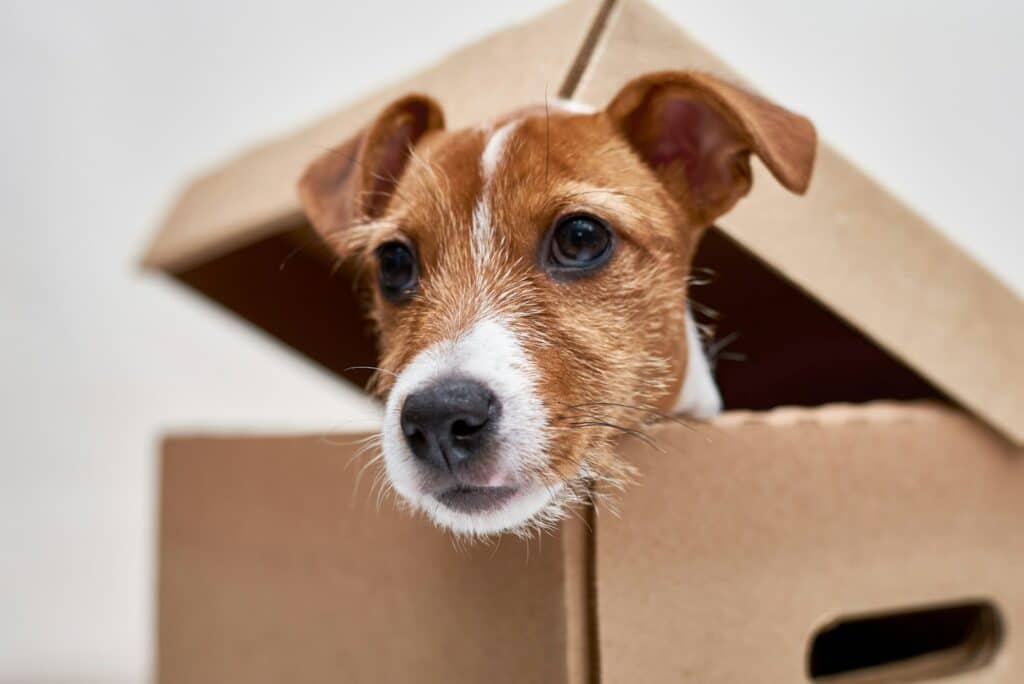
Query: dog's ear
(355, 180)
(697, 133)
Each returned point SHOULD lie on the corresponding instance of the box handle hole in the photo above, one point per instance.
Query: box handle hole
(915, 645)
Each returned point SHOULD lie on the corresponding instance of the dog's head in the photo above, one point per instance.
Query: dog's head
(529, 280)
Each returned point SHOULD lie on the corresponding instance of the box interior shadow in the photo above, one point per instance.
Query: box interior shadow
(773, 344)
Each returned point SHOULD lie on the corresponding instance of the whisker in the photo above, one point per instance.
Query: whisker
(701, 275)
(638, 434)
(497, 545)
(325, 438)
(660, 415)
(703, 309)
(716, 350)
(547, 136)
(295, 252)
(382, 491)
(373, 368)
(359, 476)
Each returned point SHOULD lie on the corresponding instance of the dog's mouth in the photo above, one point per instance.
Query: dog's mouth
(472, 499)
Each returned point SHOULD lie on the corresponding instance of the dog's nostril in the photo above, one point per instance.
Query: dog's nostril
(415, 437)
(467, 427)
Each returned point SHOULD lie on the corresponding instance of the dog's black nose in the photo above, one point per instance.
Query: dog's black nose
(449, 422)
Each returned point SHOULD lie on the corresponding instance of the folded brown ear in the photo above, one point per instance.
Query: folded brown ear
(698, 132)
(355, 180)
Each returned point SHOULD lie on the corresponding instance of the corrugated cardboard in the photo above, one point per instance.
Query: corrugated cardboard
(744, 539)
(748, 535)
(276, 565)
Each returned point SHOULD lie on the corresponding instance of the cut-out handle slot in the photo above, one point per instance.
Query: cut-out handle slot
(916, 645)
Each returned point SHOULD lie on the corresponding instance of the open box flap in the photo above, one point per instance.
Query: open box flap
(848, 243)
(852, 245)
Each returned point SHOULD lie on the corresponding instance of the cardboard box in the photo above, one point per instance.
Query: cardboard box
(744, 539)
(836, 540)
(276, 567)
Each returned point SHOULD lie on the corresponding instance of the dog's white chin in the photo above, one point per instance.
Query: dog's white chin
(527, 510)
(532, 507)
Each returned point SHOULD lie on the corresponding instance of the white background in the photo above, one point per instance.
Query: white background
(109, 106)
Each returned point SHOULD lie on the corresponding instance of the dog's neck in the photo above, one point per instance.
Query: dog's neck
(699, 396)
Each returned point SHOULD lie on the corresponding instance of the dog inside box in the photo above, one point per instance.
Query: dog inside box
(756, 542)
(786, 349)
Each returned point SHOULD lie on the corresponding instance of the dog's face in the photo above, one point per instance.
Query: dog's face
(529, 280)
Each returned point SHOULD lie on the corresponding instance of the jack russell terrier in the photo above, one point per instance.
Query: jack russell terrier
(529, 281)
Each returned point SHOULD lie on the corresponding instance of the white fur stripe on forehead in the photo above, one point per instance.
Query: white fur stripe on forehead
(490, 159)
(494, 149)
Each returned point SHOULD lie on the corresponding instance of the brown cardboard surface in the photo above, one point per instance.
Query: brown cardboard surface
(747, 535)
(741, 539)
(276, 566)
(254, 195)
(852, 245)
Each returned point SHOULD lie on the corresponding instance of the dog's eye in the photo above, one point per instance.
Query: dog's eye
(580, 241)
(397, 271)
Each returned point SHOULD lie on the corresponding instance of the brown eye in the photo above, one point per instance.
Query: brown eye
(397, 271)
(580, 243)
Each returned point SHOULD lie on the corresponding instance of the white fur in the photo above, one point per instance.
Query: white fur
(482, 235)
(489, 352)
(527, 504)
(490, 158)
(699, 396)
(495, 148)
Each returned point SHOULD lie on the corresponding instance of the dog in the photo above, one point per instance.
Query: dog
(528, 281)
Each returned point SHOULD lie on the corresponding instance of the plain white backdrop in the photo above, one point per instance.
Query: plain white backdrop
(110, 105)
